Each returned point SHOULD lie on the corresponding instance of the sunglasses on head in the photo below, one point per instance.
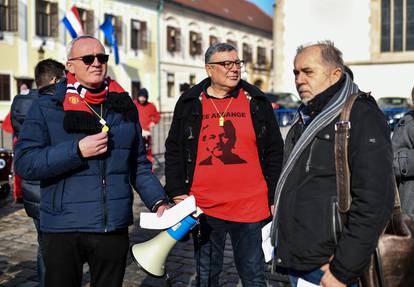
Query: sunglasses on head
(89, 59)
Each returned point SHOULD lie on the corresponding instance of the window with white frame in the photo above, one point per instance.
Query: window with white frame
(4, 87)
(86, 17)
(138, 35)
(8, 15)
(47, 19)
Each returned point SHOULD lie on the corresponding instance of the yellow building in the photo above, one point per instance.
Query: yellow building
(32, 30)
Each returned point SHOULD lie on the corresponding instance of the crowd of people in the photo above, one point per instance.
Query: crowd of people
(82, 145)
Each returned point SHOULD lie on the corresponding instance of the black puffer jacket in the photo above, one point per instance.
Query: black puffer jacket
(309, 224)
(182, 141)
(19, 109)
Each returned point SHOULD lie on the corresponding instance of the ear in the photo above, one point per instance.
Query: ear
(337, 73)
(70, 67)
(208, 70)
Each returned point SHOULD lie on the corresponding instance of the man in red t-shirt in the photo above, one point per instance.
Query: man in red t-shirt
(224, 148)
(148, 118)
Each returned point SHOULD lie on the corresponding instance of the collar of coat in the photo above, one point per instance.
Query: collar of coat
(83, 122)
(196, 90)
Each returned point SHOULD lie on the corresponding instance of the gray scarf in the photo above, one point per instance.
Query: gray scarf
(325, 117)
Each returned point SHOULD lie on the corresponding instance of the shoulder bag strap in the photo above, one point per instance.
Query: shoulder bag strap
(342, 134)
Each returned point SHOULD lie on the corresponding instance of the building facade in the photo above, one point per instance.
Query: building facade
(161, 42)
(375, 36)
(189, 27)
(31, 30)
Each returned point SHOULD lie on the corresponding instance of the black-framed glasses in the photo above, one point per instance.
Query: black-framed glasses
(89, 59)
(229, 64)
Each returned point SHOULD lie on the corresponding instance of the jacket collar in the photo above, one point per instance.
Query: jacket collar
(316, 105)
(196, 90)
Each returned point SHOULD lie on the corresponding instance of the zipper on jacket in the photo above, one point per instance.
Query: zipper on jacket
(103, 177)
(334, 221)
(308, 162)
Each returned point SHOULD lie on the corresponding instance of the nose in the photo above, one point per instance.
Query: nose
(96, 62)
(299, 79)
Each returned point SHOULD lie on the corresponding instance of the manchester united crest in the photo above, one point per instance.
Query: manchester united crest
(73, 100)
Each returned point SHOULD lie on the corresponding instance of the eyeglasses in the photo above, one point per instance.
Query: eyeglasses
(229, 64)
(89, 59)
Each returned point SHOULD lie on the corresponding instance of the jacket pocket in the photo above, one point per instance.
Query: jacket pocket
(57, 202)
(321, 154)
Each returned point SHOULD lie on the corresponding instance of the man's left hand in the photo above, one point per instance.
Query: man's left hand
(328, 280)
(161, 209)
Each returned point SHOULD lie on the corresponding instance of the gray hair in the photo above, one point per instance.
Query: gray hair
(330, 55)
(216, 48)
(69, 48)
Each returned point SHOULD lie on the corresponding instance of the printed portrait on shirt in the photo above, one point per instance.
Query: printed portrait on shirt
(219, 142)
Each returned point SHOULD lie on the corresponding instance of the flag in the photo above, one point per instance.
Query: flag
(73, 23)
(109, 32)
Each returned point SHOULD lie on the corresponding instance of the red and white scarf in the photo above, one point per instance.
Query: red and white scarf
(77, 95)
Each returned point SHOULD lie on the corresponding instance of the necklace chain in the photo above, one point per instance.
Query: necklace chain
(221, 119)
(105, 127)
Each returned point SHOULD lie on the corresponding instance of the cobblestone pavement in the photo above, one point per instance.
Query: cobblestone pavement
(18, 246)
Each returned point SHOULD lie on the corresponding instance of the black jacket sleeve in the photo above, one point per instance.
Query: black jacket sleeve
(372, 189)
(273, 152)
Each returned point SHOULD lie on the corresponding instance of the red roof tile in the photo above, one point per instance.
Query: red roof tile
(240, 11)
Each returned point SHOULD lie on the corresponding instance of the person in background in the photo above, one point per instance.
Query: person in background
(312, 240)
(148, 118)
(403, 146)
(84, 144)
(47, 73)
(232, 181)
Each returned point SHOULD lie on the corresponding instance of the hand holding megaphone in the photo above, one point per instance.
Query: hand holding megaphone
(152, 254)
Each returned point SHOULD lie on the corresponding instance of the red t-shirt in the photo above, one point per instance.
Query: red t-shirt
(228, 180)
(147, 114)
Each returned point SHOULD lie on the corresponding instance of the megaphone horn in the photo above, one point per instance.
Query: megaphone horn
(152, 254)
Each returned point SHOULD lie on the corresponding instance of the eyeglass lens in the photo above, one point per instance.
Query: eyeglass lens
(229, 65)
(89, 59)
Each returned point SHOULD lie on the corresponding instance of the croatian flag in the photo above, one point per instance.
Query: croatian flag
(73, 23)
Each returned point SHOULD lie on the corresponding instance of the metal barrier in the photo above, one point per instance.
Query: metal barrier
(6, 139)
(285, 117)
(394, 115)
(160, 133)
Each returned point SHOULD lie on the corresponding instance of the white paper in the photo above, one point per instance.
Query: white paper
(304, 283)
(170, 216)
(266, 242)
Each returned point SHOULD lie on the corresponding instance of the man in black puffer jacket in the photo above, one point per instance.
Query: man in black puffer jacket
(47, 73)
(307, 231)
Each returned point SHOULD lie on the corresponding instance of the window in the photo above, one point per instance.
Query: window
(135, 86)
(86, 17)
(117, 23)
(4, 87)
(233, 43)
(397, 25)
(192, 80)
(247, 53)
(8, 15)
(271, 59)
(261, 56)
(47, 21)
(170, 85)
(173, 39)
(213, 40)
(138, 35)
(195, 43)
